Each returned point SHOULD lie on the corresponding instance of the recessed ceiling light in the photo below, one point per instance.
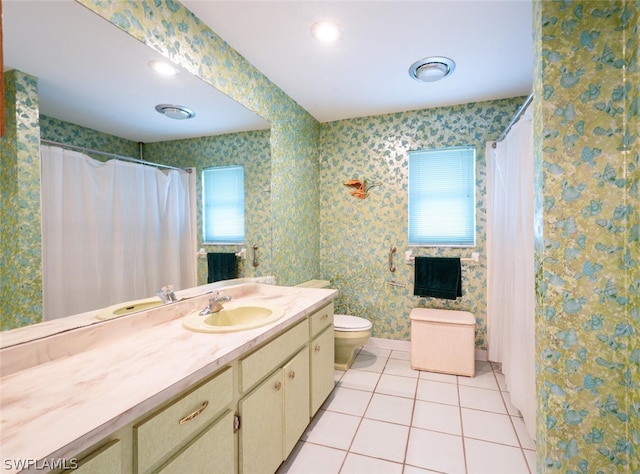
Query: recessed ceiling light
(326, 31)
(432, 69)
(164, 68)
(177, 112)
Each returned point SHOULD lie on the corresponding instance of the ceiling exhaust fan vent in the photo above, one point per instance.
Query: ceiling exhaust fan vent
(176, 112)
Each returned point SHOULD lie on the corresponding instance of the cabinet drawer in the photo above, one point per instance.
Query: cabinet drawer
(159, 435)
(321, 319)
(261, 362)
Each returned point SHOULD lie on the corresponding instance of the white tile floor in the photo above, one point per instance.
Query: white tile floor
(383, 417)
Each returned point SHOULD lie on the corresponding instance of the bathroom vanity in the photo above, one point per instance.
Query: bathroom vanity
(141, 393)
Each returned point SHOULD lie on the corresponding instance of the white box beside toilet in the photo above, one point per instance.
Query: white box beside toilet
(443, 341)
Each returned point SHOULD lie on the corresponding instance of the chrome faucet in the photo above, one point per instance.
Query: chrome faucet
(166, 294)
(215, 303)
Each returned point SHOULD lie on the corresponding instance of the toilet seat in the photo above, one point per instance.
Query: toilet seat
(346, 323)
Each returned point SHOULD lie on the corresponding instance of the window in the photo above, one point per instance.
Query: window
(223, 205)
(442, 197)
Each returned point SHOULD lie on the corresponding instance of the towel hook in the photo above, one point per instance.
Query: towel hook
(392, 250)
(255, 255)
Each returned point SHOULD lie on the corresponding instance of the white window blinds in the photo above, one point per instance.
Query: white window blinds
(223, 205)
(442, 197)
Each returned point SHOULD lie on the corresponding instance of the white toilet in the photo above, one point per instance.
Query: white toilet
(350, 332)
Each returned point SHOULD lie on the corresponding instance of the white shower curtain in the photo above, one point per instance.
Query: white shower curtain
(511, 293)
(111, 232)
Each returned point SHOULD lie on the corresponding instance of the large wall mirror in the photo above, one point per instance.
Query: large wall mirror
(93, 75)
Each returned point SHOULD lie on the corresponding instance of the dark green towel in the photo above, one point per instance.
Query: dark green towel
(438, 277)
(222, 266)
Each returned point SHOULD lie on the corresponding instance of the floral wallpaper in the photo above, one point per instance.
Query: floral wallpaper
(252, 151)
(356, 234)
(21, 291)
(65, 132)
(587, 158)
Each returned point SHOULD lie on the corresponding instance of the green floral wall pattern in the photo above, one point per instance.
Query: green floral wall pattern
(20, 204)
(65, 132)
(588, 279)
(356, 234)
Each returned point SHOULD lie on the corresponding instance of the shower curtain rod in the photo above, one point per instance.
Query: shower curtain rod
(519, 113)
(111, 155)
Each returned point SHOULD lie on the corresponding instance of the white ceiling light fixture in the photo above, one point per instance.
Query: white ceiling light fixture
(326, 31)
(176, 112)
(432, 69)
(164, 68)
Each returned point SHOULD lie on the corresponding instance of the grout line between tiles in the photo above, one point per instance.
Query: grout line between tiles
(361, 418)
(513, 426)
(413, 412)
(382, 367)
(462, 437)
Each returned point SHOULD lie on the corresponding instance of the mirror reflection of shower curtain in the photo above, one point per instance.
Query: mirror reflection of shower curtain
(510, 250)
(112, 232)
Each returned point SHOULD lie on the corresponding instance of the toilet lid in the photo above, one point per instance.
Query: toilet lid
(344, 322)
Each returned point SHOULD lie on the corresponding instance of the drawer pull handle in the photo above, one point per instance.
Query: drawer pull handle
(317, 348)
(278, 386)
(292, 374)
(324, 317)
(195, 413)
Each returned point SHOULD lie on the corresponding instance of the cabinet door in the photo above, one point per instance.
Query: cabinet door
(106, 459)
(322, 357)
(211, 453)
(261, 427)
(296, 399)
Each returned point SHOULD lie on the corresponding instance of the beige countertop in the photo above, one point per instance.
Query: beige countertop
(61, 394)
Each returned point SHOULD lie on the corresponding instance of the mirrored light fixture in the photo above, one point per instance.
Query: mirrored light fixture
(326, 31)
(176, 112)
(432, 69)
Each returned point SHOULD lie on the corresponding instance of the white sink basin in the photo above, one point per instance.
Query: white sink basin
(122, 309)
(234, 316)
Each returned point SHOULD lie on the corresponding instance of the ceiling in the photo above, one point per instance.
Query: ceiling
(85, 78)
(366, 72)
